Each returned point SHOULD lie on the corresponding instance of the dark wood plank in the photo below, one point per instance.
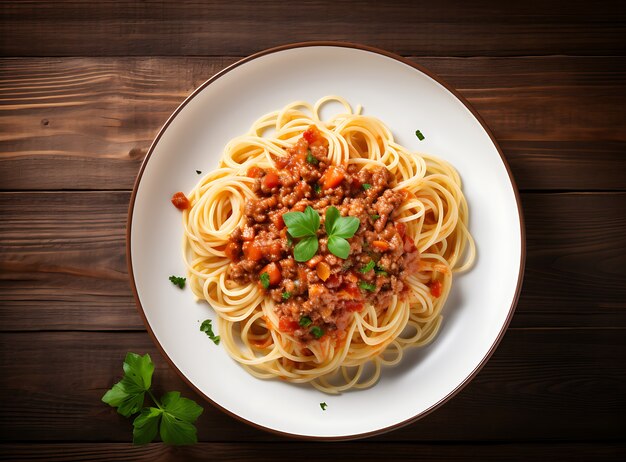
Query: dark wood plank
(448, 28)
(89, 122)
(541, 385)
(62, 261)
(362, 451)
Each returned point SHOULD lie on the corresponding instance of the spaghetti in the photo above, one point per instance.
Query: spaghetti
(327, 317)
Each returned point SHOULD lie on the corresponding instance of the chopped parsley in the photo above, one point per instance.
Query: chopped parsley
(375, 217)
(369, 267)
(310, 158)
(380, 271)
(265, 280)
(286, 295)
(305, 321)
(317, 188)
(178, 281)
(199, 172)
(419, 135)
(366, 186)
(208, 330)
(317, 331)
(366, 286)
(323, 406)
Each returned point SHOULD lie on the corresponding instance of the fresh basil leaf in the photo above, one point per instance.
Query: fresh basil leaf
(301, 224)
(346, 227)
(313, 217)
(305, 249)
(339, 246)
(177, 432)
(332, 214)
(146, 425)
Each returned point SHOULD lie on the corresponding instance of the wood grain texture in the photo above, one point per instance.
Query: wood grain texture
(559, 120)
(540, 385)
(361, 451)
(62, 261)
(447, 27)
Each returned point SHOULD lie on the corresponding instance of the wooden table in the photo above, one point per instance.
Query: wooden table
(85, 87)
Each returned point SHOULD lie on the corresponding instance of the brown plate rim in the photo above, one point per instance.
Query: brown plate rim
(403, 60)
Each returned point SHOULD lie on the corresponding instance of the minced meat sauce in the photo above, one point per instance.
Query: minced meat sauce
(318, 297)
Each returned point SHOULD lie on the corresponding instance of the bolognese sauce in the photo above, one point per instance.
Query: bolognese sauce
(318, 297)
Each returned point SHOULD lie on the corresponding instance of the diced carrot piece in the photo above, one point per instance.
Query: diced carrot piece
(278, 221)
(333, 177)
(323, 270)
(381, 245)
(287, 325)
(273, 271)
(354, 306)
(251, 251)
(311, 134)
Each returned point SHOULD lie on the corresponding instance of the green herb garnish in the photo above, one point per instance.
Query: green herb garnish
(375, 217)
(366, 286)
(366, 186)
(173, 417)
(305, 321)
(317, 331)
(208, 330)
(178, 281)
(286, 295)
(419, 135)
(339, 229)
(317, 188)
(303, 225)
(380, 271)
(199, 172)
(310, 158)
(369, 267)
(323, 406)
(265, 280)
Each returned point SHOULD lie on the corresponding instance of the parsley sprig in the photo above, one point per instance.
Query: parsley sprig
(173, 417)
(304, 225)
(178, 281)
(207, 328)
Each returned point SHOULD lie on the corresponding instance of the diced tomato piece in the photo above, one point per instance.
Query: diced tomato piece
(311, 134)
(409, 244)
(251, 251)
(232, 251)
(436, 288)
(401, 228)
(333, 177)
(287, 325)
(180, 201)
(273, 270)
(255, 172)
(381, 245)
(271, 180)
(349, 291)
(281, 162)
(354, 306)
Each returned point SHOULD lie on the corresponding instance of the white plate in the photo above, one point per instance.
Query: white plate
(406, 98)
